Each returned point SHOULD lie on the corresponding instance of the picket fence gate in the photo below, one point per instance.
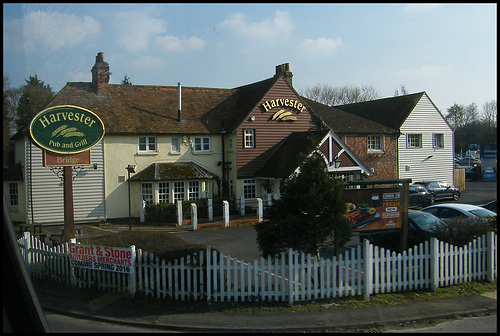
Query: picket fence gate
(290, 276)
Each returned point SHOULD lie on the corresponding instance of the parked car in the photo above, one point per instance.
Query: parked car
(458, 210)
(492, 205)
(420, 229)
(419, 197)
(440, 190)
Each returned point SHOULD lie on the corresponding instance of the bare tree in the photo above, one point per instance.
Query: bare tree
(489, 116)
(332, 96)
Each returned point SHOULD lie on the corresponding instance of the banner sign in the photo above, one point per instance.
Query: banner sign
(62, 160)
(103, 258)
(374, 208)
(66, 129)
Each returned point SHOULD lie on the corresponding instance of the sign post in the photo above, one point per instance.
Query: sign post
(66, 134)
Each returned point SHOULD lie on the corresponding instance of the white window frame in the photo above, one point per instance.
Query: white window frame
(147, 144)
(176, 145)
(438, 140)
(249, 189)
(14, 195)
(375, 143)
(193, 190)
(164, 192)
(179, 191)
(414, 140)
(147, 192)
(249, 138)
(202, 144)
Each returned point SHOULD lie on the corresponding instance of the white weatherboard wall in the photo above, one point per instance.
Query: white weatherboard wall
(45, 192)
(426, 119)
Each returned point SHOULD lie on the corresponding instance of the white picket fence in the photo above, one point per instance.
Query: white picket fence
(291, 276)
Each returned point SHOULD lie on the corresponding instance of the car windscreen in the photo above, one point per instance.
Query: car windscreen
(424, 220)
(483, 212)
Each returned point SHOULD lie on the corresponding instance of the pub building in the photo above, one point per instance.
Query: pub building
(183, 143)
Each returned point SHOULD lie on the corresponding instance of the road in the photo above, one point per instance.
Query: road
(482, 324)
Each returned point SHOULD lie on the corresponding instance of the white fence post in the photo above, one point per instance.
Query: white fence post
(132, 275)
(27, 250)
(179, 212)
(142, 213)
(72, 268)
(226, 213)
(194, 217)
(490, 256)
(210, 206)
(242, 205)
(209, 275)
(368, 267)
(260, 210)
(434, 271)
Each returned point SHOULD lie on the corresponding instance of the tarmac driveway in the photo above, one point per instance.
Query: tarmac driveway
(238, 242)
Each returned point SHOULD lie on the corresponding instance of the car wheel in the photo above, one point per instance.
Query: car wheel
(456, 196)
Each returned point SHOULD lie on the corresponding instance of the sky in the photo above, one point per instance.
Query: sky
(447, 50)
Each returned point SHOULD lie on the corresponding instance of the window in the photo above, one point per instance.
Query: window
(13, 195)
(414, 140)
(147, 192)
(202, 144)
(249, 189)
(163, 192)
(374, 143)
(230, 144)
(147, 144)
(176, 148)
(178, 191)
(249, 140)
(193, 190)
(438, 140)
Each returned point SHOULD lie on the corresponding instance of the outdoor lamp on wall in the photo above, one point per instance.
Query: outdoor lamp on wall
(337, 162)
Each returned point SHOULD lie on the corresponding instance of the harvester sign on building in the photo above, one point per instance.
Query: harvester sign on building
(103, 258)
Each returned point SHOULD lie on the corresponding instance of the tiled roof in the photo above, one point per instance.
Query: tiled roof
(342, 122)
(141, 109)
(290, 154)
(173, 171)
(391, 112)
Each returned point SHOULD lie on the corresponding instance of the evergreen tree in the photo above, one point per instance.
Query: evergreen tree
(310, 211)
(35, 96)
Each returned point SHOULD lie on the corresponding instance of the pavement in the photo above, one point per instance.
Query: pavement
(329, 319)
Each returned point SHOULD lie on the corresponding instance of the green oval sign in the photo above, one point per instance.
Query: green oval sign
(66, 129)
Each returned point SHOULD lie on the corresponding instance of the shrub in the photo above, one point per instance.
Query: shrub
(461, 231)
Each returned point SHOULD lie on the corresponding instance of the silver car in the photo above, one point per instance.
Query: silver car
(458, 210)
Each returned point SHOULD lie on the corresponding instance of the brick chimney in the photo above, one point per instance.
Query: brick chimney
(100, 74)
(284, 70)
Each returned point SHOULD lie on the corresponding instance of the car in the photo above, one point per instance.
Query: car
(491, 205)
(420, 229)
(440, 190)
(419, 196)
(458, 210)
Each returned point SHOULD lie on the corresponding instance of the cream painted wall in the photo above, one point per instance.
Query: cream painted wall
(121, 151)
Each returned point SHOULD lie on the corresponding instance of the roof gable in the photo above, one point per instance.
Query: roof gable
(390, 112)
(342, 122)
